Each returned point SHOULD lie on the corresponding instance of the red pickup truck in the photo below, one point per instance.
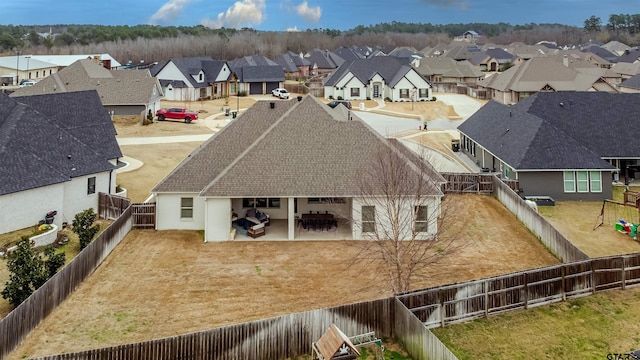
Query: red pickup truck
(177, 113)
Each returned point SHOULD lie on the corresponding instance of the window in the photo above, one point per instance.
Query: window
(368, 219)
(261, 203)
(200, 77)
(569, 181)
(596, 181)
(422, 219)
(424, 93)
(91, 185)
(582, 181)
(355, 91)
(186, 208)
(404, 93)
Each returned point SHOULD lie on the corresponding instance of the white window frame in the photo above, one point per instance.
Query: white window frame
(185, 208)
(421, 225)
(368, 225)
(566, 181)
(584, 182)
(595, 177)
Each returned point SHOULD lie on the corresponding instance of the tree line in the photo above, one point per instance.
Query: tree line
(149, 43)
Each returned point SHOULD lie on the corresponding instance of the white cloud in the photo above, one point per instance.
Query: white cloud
(168, 11)
(242, 13)
(293, 29)
(311, 14)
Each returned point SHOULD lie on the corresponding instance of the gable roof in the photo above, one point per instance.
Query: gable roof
(348, 53)
(632, 82)
(332, 341)
(291, 61)
(114, 87)
(257, 68)
(312, 150)
(46, 140)
(323, 59)
(584, 127)
(390, 68)
(534, 74)
(448, 67)
(630, 55)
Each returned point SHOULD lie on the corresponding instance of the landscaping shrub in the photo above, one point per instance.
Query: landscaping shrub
(83, 226)
(340, 98)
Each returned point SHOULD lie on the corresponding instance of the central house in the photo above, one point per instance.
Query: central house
(300, 170)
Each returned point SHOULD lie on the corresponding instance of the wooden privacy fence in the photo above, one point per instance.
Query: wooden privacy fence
(24, 318)
(111, 206)
(468, 183)
(270, 339)
(548, 235)
(143, 215)
(469, 300)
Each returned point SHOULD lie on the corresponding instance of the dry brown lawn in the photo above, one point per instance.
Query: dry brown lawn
(164, 283)
(428, 110)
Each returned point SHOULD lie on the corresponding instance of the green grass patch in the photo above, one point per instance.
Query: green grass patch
(584, 328)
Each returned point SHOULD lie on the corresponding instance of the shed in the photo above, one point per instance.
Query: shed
(334, 345)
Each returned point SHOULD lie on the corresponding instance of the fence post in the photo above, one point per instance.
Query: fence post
(526, 291)
(486, 298)
(564, 293)
(624, 259)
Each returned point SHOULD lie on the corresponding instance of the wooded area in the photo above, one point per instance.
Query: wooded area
(150, 43)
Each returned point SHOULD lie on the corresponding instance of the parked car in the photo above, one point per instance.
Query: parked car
(281, 93)
(177, 114)
(334, 103)
(25, 83)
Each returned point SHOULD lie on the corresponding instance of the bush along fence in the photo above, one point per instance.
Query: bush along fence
(24, 318)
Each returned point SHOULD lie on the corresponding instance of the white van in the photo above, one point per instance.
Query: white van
(28, 83)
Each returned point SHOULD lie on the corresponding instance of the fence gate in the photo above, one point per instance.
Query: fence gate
(143, 215)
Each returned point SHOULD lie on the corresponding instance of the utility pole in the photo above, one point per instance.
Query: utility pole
(17, 67)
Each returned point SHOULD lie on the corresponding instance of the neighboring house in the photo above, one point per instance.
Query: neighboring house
(122, 92)
(631, 55)
(439, 70)
(287, 158)
(295, 66)
(631, 85)
(493, 59)
(349, 53)
(564, 144)
(543, 74)
(605, 58)
(526, 52)
(58, 152)
(469, 35)
(377, 77)
(256, 75)
(626, 70)
(193, 78)
(616, 47)
(323, 62)
(37, 67)
(461, 52)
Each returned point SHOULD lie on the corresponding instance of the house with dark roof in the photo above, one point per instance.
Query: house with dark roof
(288, 159)
(193, 78)
(295, 65)
(122, 92)
(377, 77)
(255, 75)
(323, 62)
(631, 85)
(58, 152)
(567, 145)
(493, 59)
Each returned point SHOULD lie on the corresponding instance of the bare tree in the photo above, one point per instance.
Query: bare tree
(399, 218)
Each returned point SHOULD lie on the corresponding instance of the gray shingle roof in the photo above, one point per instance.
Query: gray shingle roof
(260, 73)
(44, 139)
(559, 130)
(115, 87)
(632, 82)
(296, 149)
(324, 59)
(190, 67)
(391, 69)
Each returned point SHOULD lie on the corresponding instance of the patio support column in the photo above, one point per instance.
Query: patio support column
(291, 221)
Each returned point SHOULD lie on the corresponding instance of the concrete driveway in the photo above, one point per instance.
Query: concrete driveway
(464, 105)
(387, 125)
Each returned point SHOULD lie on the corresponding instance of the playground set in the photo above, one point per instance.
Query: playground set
(624, 216)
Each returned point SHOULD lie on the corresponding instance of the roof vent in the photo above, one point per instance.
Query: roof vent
(562, 104)
(272, 105)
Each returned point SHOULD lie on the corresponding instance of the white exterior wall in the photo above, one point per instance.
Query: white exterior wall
(171, 72)
(355, 83)
(224, 74)
(218, 219)
(25, 208)
(76, 198)
(382, 220)
(168, 212)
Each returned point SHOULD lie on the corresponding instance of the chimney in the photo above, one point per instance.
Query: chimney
(565, 61)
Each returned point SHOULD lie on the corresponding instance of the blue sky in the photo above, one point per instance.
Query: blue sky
(281, 15)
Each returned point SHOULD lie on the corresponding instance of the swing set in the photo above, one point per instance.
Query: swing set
(625, 216)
